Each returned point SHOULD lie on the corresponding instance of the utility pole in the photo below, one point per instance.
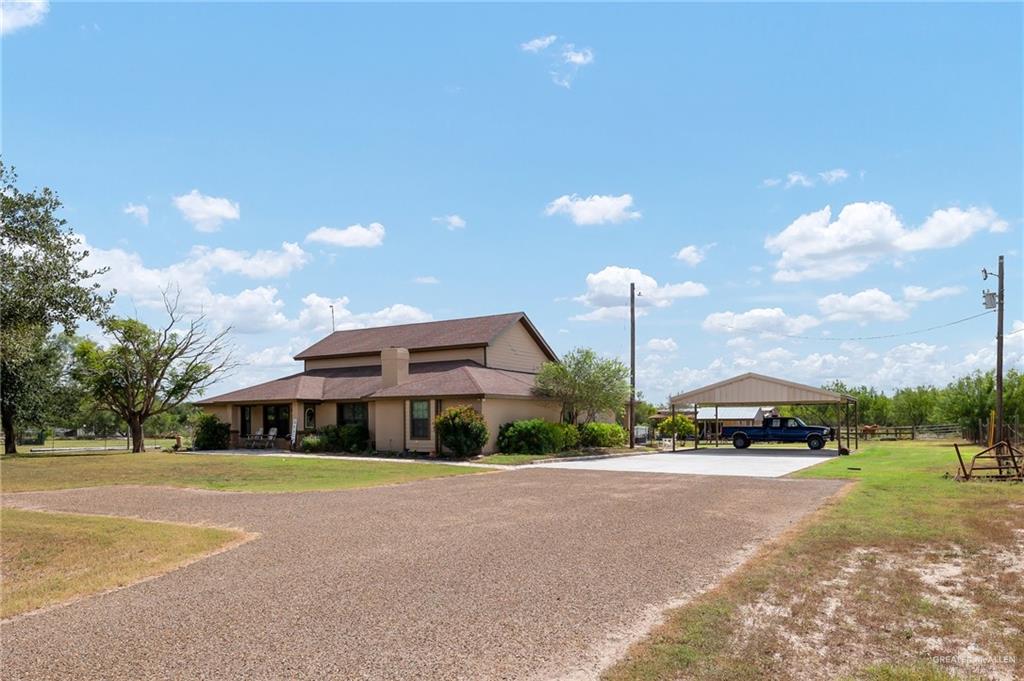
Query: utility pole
(998, 304)
(332, 319)
(632, 364)
(999, 358)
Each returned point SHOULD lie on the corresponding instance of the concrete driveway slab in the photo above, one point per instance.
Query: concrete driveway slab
(507, 575)
(773, 463)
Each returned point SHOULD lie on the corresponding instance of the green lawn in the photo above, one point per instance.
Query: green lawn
(895, 579)
(114, 444)
(235, 473)
(520, 459)
(49, 558)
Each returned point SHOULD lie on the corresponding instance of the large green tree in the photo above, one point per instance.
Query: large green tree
(43, 285)
(146, 372)
(915, 406)
(585, 383)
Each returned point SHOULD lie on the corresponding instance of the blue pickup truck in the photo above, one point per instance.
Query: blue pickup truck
(779, 429)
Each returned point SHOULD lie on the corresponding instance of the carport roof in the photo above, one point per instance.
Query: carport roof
(752, 389)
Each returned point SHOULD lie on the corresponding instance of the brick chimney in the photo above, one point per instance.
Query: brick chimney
(394, 366)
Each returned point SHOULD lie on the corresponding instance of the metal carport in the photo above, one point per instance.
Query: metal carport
(758, 390)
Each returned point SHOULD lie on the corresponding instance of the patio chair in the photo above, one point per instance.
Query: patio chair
(252, 438)
(268, 441)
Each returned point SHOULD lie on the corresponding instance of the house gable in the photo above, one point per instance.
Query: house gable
(517, 349)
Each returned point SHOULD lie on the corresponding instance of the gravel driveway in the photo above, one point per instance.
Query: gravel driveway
(506, 575)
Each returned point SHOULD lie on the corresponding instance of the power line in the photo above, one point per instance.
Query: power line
(888, 335)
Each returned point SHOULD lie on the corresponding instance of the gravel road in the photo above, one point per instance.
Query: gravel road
(506, 575)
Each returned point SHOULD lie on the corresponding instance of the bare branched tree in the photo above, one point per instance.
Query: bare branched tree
(149, 371)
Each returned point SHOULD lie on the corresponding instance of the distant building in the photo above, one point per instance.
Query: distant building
(708, 425)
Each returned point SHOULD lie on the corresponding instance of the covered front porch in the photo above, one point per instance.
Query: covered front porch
(394, 425)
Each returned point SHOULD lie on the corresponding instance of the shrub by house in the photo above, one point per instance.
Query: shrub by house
(461, 430)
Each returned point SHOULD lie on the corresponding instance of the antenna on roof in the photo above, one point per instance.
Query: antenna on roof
(332, 319)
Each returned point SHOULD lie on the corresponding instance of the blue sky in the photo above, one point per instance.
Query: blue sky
(763, 172)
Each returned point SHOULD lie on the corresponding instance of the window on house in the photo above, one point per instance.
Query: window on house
(353, 414)
(309, 417)
(419, 419)
(246, 425)
(277, 416)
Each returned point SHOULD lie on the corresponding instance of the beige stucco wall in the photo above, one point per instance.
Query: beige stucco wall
(498, 411)
(515, 349)
(326, 414)
(221, 411)
(475, 354)
(389, 425)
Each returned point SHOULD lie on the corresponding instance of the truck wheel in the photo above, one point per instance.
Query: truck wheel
(815, 442)
(740, 441)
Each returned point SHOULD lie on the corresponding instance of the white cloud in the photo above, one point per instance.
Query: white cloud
(833, 176)
(206, 213)
(250, 310)
(606, 314)
(608, 293)
(596, 209)
(798, 179)
(949, 227)
(453, 222)
(693, 255)
(353, 236)
(275, 356)
(259, 265)
(18, 14)
(662, 345)
(815, 247)
(426, 280)
(869, 305)
(771, 182)
(138, 211)
(571, 61)
(766, 321)
(577, 57)
(538, 44)
(316, 315)
(920, 294)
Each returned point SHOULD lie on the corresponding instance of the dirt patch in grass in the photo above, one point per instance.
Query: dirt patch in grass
(910, 576)
(55, 558)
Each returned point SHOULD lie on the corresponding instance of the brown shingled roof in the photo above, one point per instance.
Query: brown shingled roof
(451, 333)
(440, 379)
(469, 379)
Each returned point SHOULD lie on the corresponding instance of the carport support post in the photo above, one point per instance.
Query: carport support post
(839, 426)
(718, 428)
(856, 425)
(847, 426)
(696, 427)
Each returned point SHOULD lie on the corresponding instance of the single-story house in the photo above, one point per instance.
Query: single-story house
(396, 379)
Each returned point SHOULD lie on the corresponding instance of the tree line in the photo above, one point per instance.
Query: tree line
(48, 376)
(967, 401)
